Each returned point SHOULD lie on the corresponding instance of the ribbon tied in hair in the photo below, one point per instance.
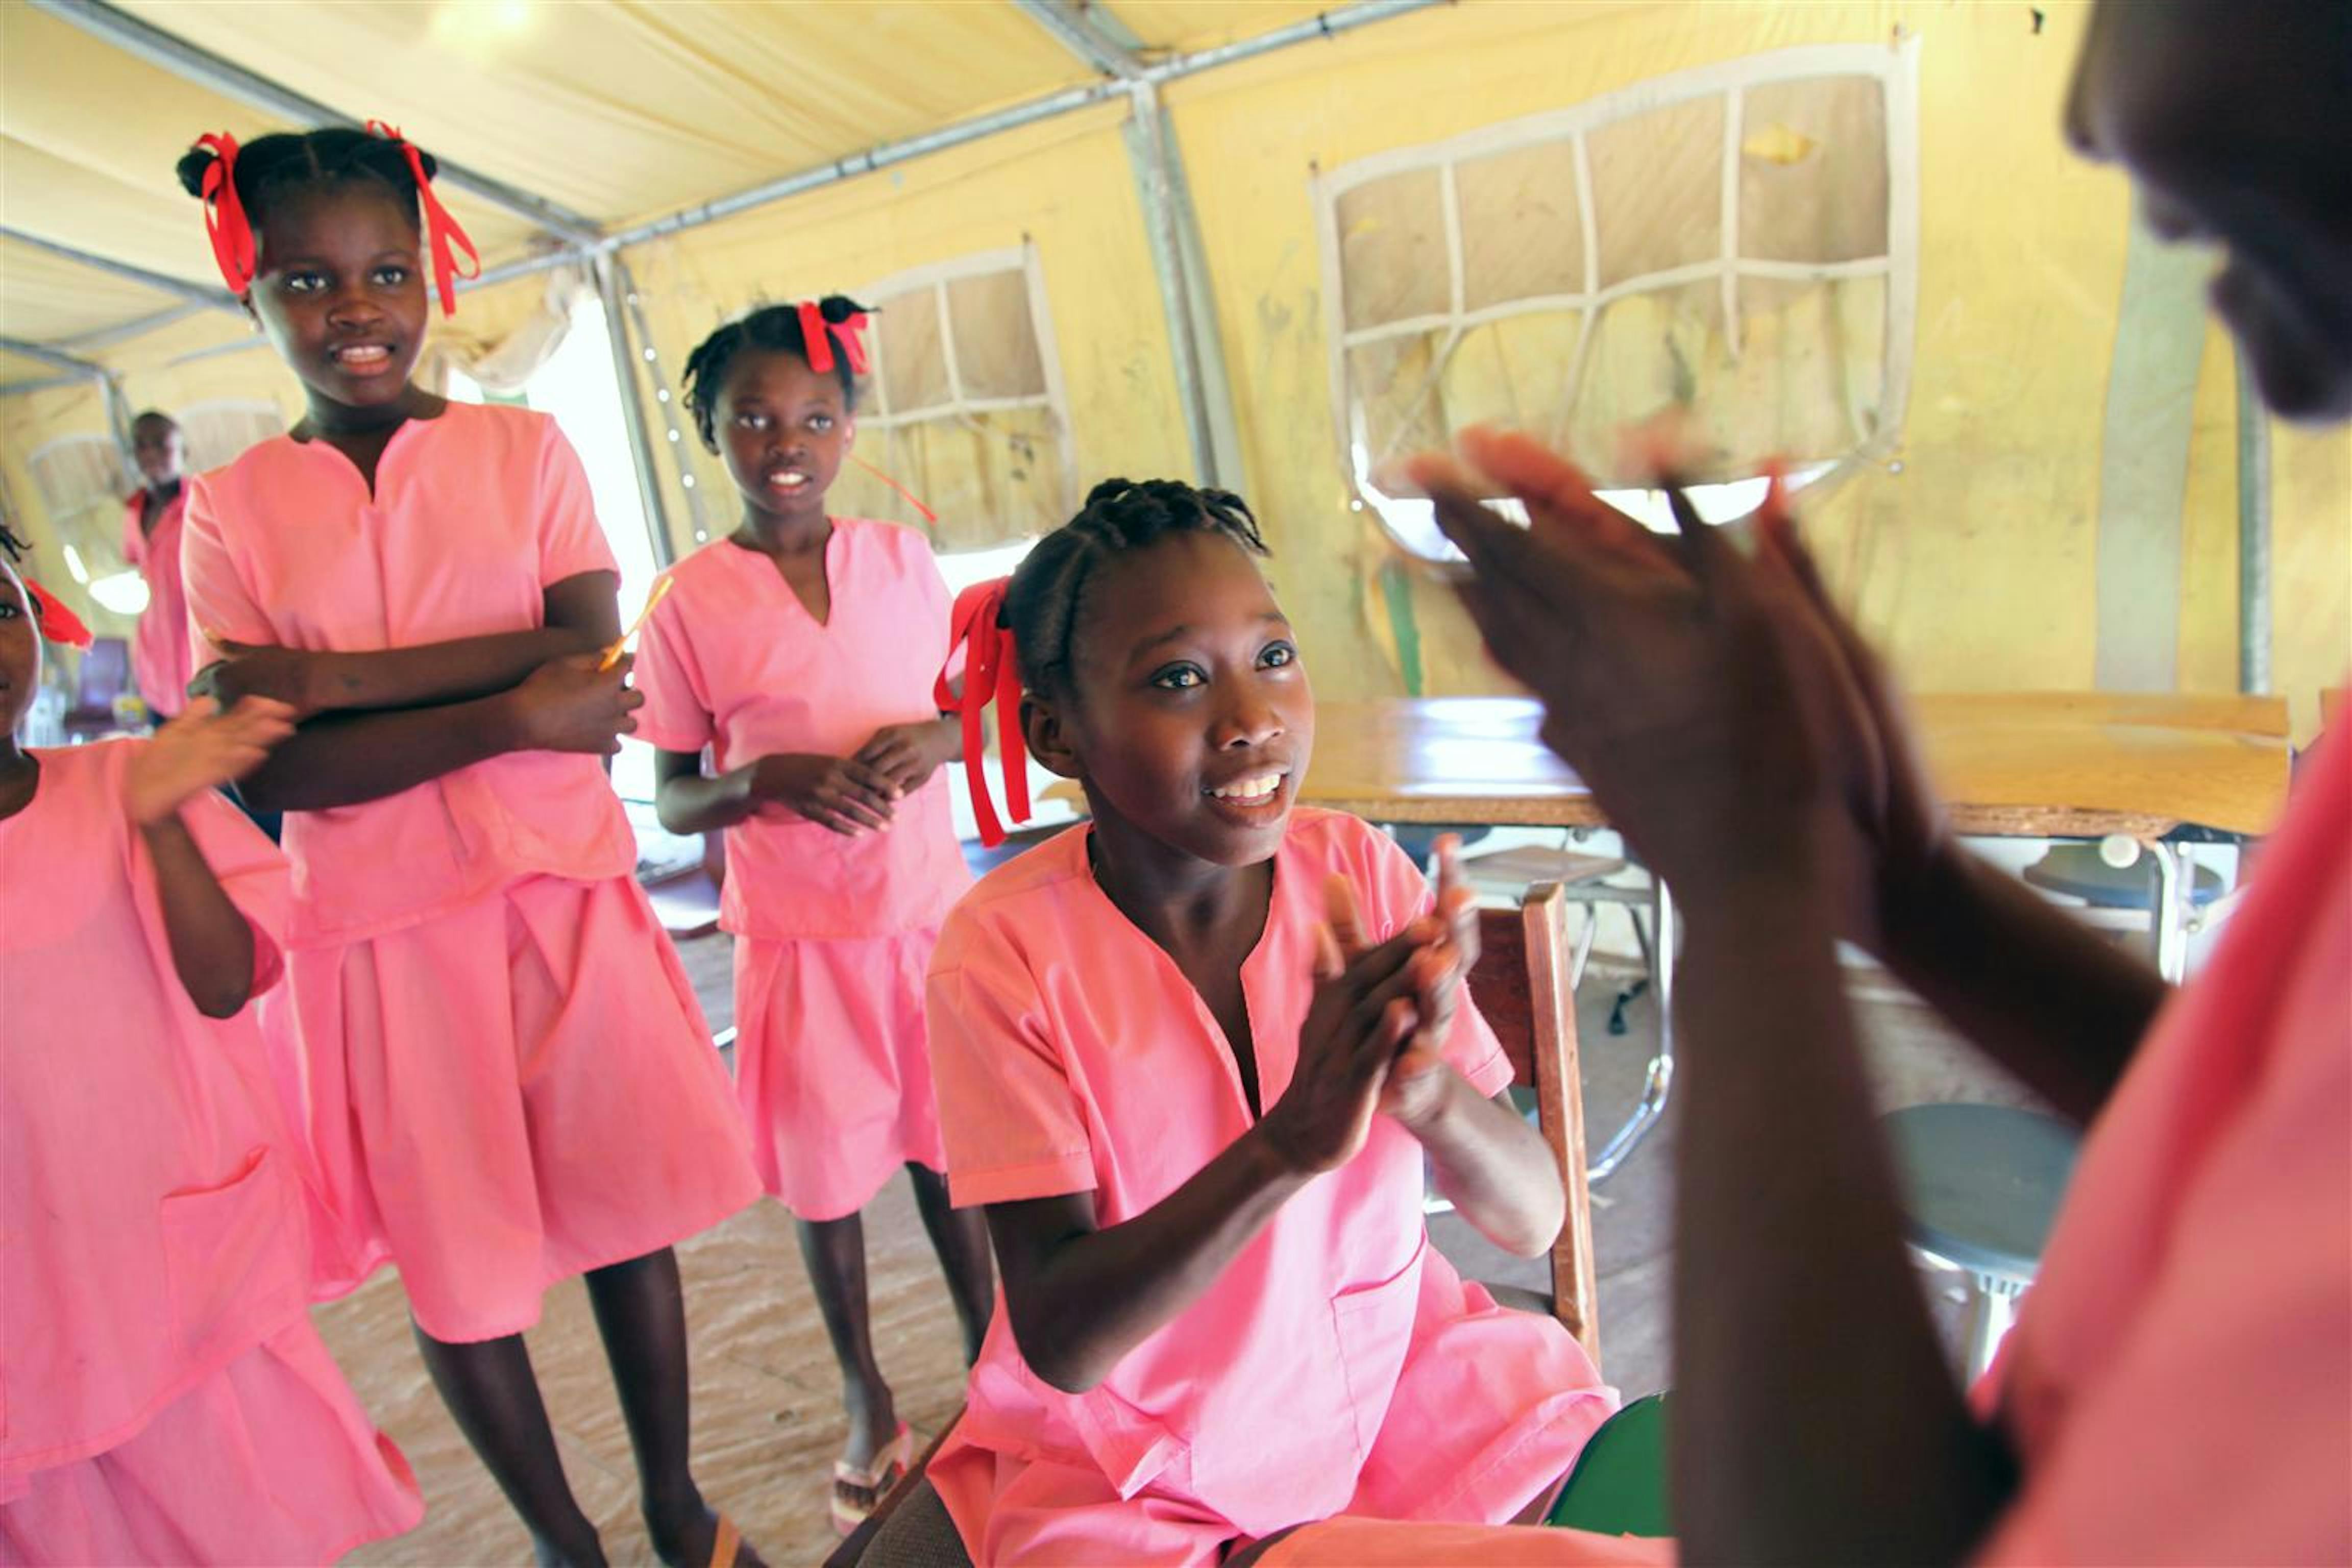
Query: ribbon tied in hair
(817, 335)
(442, 232)
(225, 224)
(990, 670)
(51, 618)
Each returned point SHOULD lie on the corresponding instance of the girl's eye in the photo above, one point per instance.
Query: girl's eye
(820, 421)
(751, 421)
(304, 282)
(1179, 678)
(9, 612)
(1278, 654)
(391, 276)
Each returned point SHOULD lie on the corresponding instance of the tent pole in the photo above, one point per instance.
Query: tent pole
(2253, 535)
(1184, 294)
(190, 63)
(610, 290)
(219, 299)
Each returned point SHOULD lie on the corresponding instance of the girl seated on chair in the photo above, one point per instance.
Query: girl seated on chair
(1190, 1058)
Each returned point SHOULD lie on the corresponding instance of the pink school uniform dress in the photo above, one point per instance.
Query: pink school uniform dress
(1339, 1365)
(833, 932)
(509, 1080)
(159, 647)
(162, 1395)
(2178, 1386)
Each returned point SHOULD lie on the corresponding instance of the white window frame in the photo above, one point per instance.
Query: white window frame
(1895, 66)
(1054, 399)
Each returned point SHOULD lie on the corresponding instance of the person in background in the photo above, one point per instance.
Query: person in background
(151, 518)
(803, 650)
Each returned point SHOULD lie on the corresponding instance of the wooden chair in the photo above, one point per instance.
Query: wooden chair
(1522, 985)
(1522, 982)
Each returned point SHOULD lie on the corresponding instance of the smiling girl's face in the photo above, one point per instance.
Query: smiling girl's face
(1190, 717)
(339, 293)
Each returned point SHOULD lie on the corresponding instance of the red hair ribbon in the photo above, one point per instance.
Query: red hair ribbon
(56, 622)
(930, 519)
(225, 224)
(441, 231)
(990, 670)
(817, 335)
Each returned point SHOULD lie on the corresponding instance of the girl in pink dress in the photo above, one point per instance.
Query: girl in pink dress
(508, 1082)
(152, 517)
(162, 1395)
(801, 652)
(1198, 1122)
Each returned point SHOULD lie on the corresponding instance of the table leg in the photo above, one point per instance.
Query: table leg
(2171, 913)
(1659, 1083)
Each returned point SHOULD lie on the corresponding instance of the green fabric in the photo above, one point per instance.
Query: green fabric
(1619, 1485)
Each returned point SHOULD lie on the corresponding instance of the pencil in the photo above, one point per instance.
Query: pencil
(613, 655)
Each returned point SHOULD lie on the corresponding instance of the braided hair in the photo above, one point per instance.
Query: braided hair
(269, 167)
(1041, 603)
(772, 328)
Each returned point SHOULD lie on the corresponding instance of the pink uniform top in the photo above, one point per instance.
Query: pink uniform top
(732, 661)
(150, 1227)
(1071, 1055)
(476, 513)
(2180, 1383)
(159, 650)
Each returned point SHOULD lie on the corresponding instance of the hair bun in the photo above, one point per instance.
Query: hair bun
(839, 308)
(191, 168)
(1109, 490)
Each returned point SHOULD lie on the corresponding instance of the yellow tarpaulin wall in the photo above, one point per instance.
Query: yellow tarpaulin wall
(1972, 552)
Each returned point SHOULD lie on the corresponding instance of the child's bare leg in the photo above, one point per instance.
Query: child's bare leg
(834, 1251)
(641, 1313)
(961, 1239)
(490, 1390)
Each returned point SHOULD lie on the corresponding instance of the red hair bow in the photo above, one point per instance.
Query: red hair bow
(441, 231)
(817, 335)
(990, 670)
(56, 622)
(225, 224)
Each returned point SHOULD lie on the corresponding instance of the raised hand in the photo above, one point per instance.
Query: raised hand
(839, 793)
(1362, 1015)
(202, 749)
(571, 705)
(1693, 688)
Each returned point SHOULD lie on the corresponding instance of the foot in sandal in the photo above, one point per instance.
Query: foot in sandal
(858, 1490)
(709, 1539)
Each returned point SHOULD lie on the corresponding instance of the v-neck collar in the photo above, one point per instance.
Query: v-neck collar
(1252, 964)
(825, 563)
(399, 438)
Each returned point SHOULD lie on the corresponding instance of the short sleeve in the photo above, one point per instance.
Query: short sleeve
(1396, 893)
(571, 541)
(220, 603)
(1013, 1120)
(676, 716)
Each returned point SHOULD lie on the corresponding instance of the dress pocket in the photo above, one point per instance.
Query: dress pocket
(233, 1252)
(1374, 1323)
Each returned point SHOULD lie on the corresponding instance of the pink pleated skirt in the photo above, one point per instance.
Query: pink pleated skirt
(508, 1095)
(833, 1066)
(269, 1460)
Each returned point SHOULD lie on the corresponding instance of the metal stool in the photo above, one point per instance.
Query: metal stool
(1981, 1185)
(2135, 886)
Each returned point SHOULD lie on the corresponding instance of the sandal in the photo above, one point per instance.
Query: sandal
(889, 1466)
(725, 1544)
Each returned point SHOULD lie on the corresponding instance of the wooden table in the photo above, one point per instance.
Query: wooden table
(2152, 769)
(2035, 764)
